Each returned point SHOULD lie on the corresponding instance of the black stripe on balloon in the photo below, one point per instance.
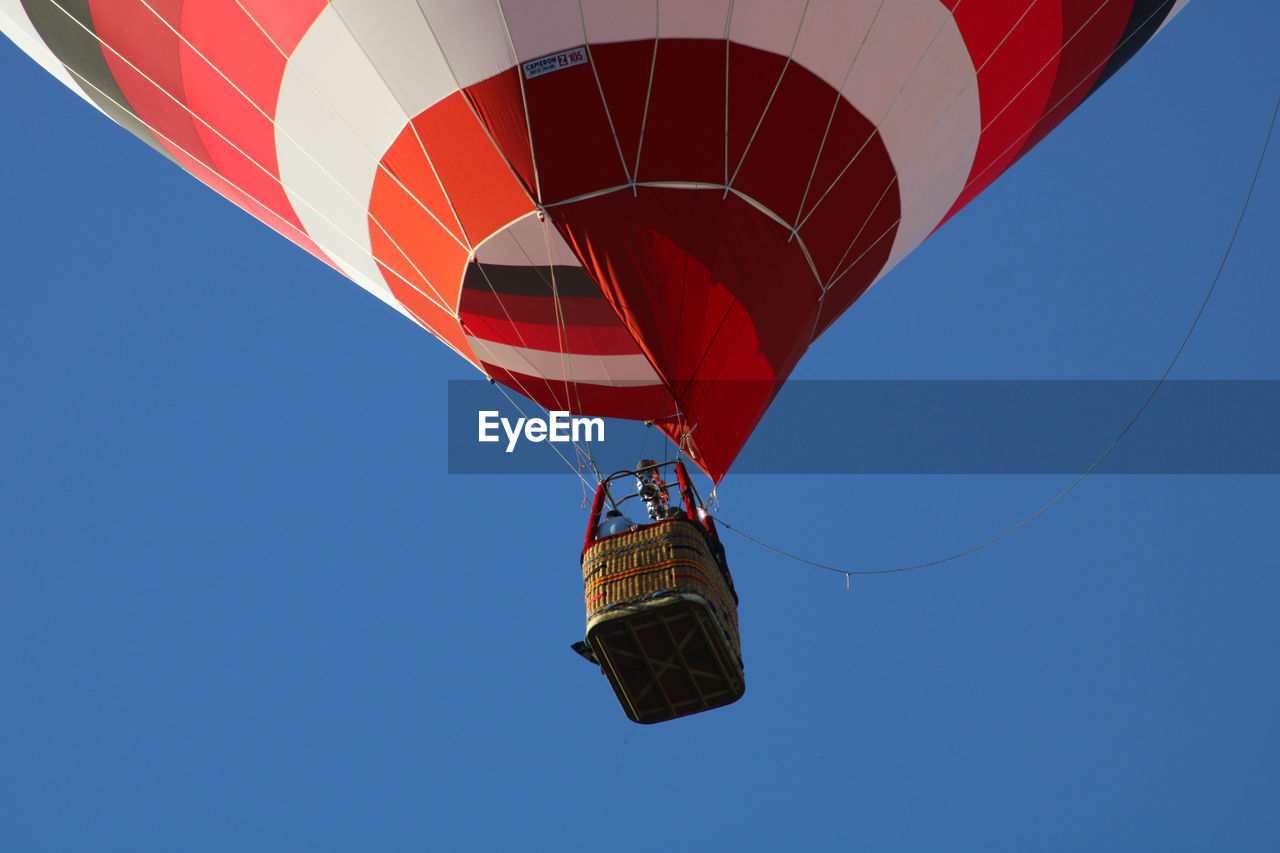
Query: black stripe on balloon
(66, 27)
(513, 280)
(1144, 20)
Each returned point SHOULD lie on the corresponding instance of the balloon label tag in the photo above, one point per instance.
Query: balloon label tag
(555, 62)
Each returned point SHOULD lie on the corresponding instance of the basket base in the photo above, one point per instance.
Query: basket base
(666, 658)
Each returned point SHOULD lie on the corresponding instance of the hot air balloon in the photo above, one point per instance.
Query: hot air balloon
(613, 207)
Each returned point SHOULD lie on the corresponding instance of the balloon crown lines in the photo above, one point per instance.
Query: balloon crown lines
(952, 427)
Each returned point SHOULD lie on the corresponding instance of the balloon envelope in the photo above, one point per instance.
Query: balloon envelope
(639, 210)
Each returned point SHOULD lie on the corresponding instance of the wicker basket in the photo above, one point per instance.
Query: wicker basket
(662, 620)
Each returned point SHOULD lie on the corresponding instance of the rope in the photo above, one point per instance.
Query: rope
(1204, 303)
(562, 339)
(574, 468)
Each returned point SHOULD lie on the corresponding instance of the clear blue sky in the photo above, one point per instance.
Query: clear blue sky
(243, 607)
